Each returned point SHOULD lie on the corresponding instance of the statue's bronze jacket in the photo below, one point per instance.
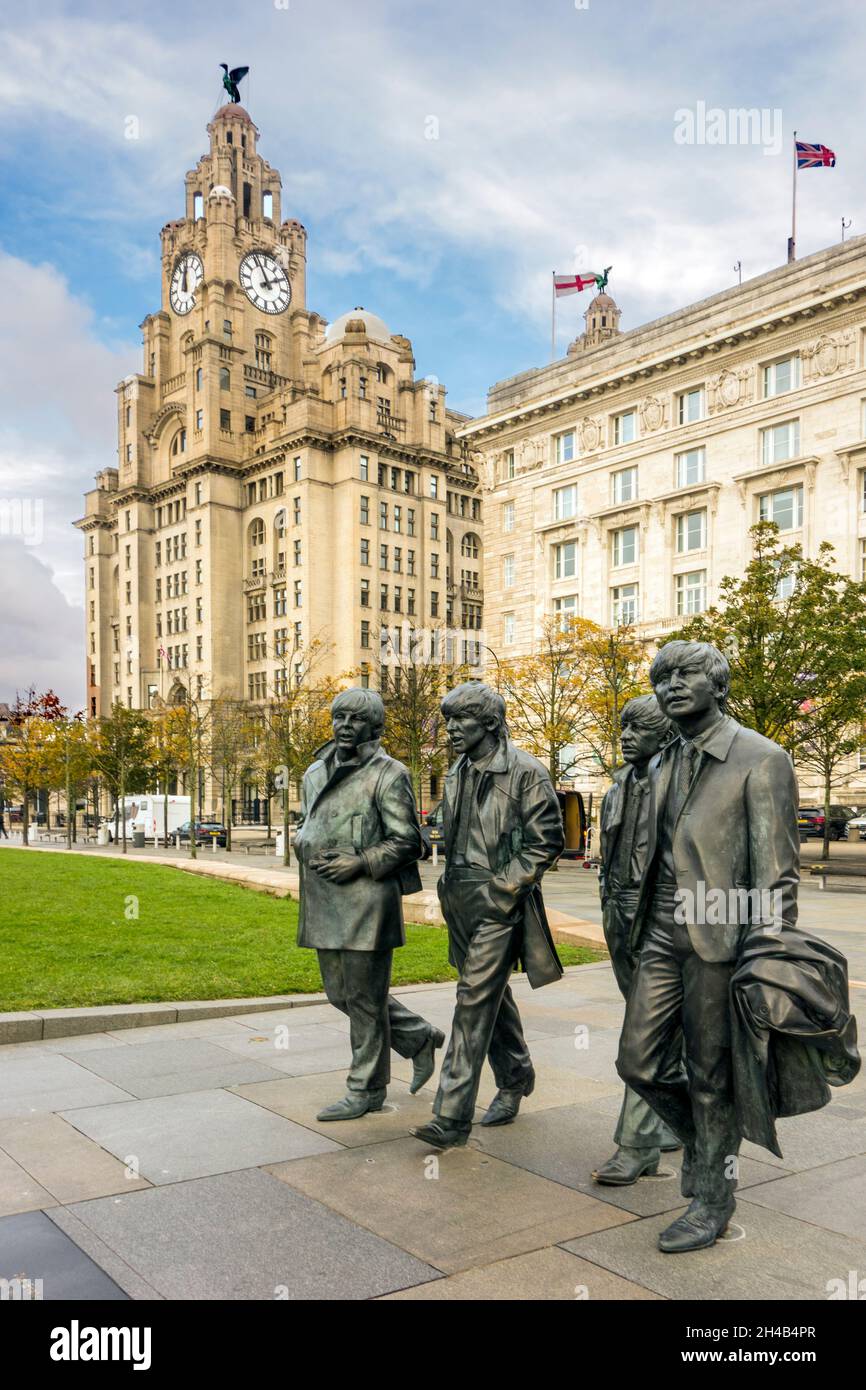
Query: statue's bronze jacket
(366, 807)
(522, 826)
(737, 829)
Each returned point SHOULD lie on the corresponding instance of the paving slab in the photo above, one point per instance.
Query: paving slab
(300, 1098)
(551, 1274)
(116, 1268)
(566, 1144)
(57, 1023)
(281, 1045)
(195, 1134)
(68, 1165)
(832, 1196)
(245, 1235)
(772, 1257)
(69, 1047)
(453, 1210)
(19, 1190)
(169, 1032)
(38, 1081)
(168, 1068)
(823, 1136)
(33, 1247)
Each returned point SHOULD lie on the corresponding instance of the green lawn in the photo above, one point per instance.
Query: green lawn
(69, 937)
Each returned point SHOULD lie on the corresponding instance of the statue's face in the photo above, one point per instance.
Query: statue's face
(640, 743)
(466, 731)
(352, 727)
(686, 691)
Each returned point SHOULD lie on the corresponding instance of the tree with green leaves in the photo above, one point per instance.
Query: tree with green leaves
(122, 757)
(794, 632)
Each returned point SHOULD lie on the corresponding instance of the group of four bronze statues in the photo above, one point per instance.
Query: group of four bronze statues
(733, 1017)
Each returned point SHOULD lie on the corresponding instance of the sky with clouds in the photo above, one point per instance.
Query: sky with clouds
(554, 125)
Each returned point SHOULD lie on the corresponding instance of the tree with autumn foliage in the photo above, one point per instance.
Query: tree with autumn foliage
(295, 721)
(121, 756)
(168, 752)
(69, 749)
(414, 678)
(25, 763)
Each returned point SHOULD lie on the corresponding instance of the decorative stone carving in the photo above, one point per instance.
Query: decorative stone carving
(591, 432)
(729, 388)
(485, 467)
(530, 454)
(652, 414)
(830, 353)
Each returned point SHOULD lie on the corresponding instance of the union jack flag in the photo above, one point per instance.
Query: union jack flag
(814, 156)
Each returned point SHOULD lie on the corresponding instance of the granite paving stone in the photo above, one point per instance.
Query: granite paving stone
(33, 1247)
(245, 1235)
(46, 1081)
(548, 1274)
(823, 1136)
(300, 1098)
(167, 1068)
(453, 1210)
(566, 1144)
(195, 1134)
(833, 1196)
(19, 1190)
(114, 1266)
(68, 1165)
(771, 1257)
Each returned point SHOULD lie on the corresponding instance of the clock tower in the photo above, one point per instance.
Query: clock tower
(280, 481)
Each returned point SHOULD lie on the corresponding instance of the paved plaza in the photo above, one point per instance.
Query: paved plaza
(184, 1161)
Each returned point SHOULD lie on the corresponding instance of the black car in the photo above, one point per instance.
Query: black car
(810, 820)
(206, 831)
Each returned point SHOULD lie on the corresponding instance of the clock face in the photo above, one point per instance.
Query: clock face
(185, 280)
(265, 282)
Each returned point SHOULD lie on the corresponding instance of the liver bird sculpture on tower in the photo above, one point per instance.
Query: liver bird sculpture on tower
(231, 80)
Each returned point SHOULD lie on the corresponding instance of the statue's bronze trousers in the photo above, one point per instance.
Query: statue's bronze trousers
(485, 944)
(357, 983)
(672, 988)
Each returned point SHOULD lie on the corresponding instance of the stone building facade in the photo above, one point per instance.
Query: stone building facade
(620, 483)
(279, 480)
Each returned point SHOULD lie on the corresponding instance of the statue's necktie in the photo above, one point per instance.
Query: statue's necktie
(689, 756)
(467, 801)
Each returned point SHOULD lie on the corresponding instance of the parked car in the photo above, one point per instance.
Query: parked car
(857, 827)
(206, 831)
(431, 831)
(810, 820)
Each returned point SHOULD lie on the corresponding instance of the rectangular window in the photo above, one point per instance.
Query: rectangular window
(410, 521)
(691, 467)
(624, 546)
(565, 560)
(781, 376)
(398, 518)
(564, 609)
(624, 485)
(225, 419)
(564, 502)
(508, 629)
(508, 517)
(784, 506)
(365, 551)
(624, 605)
(383, 516)
(296, 469)
(365, 468)
(199, 419)
(509, 469)
(383, 557)
(691, 593)
(434, 566)
(780, 442)
(434, 485)
(434, 526)
(690, 406)
(434, 604)
(508, 571)
(691, 531)
(365, 593)
(563, 447)
(365, 511)
(624, 427)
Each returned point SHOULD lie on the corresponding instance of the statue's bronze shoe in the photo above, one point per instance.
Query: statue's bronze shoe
(697, 1228)
(424, 1062)
(443, 1133)
(506, 1103)
(626, 1166)
(354, 1105)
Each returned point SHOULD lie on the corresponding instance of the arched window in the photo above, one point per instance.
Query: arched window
(248, 198)
(268, 206)
(198, 205)
(225, 379)
(178, 444)
(229, 138)
(257, 533)
(469, 546)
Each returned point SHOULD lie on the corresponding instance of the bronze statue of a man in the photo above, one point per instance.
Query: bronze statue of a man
(502, 829)
(640, 1134)
(357, 845)
(723, 818)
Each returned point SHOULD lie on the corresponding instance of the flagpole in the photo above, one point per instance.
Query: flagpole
(553, 316)
(792, 244)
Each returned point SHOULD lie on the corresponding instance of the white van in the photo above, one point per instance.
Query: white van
(147, 813)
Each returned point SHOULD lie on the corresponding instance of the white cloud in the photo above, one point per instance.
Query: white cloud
(42, 638)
